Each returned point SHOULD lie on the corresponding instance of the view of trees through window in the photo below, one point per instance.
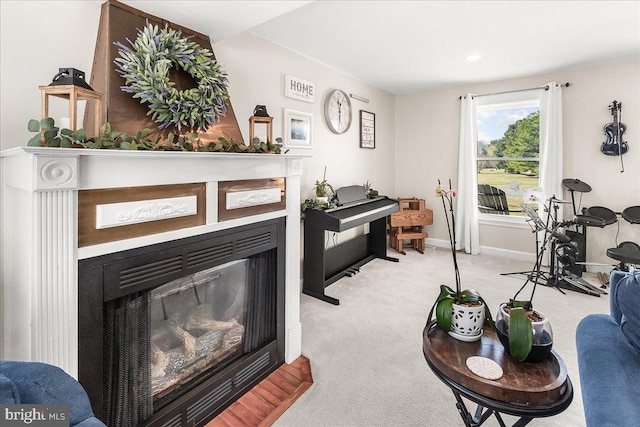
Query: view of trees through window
(508, 151)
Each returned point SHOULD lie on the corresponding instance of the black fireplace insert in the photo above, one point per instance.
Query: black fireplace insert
(172, 333)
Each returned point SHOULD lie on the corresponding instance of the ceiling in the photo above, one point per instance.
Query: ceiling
(414, 46)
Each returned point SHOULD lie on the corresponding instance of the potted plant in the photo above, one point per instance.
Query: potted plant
(369, 191)
(525, 332)
(322, 189)
(461, 313)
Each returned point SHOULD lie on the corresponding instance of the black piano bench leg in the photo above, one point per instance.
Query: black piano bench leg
(325, 298)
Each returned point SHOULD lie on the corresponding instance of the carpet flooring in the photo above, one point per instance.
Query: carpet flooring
(366, 354)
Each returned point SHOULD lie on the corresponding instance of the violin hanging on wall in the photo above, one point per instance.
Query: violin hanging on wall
(615, 145)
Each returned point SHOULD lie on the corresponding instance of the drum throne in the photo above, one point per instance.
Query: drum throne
(627, 253)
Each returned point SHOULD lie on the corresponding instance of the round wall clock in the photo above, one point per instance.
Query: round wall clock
(337, 111)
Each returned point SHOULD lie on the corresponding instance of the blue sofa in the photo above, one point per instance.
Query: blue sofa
(32, 383)
(608, 348)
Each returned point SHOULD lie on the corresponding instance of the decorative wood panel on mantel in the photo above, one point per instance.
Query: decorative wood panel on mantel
(119, 22)
(89, 201)
(253, 197)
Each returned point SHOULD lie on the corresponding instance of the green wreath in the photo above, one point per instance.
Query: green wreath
(145, 67)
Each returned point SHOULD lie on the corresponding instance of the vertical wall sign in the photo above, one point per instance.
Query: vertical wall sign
(367, 129)
(299, 89)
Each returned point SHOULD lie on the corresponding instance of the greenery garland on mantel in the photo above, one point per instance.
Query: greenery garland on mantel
(145, 67)
(48, 135)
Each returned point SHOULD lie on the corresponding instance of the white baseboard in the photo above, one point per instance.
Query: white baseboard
(439, 243)
(487, 250)
(516, 255)
(507, 253)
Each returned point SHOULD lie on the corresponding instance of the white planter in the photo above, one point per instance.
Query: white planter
(324, 199)
(467, 322)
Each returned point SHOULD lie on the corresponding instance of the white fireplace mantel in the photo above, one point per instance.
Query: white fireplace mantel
(40, 252)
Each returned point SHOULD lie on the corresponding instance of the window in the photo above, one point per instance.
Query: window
(507, 153)
(517, 163)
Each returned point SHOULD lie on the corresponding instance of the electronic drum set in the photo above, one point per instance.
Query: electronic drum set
(567, 241)
(626, 253)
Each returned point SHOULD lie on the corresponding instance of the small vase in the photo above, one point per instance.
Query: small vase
(323, 199)
(542, 335)
(467, 322)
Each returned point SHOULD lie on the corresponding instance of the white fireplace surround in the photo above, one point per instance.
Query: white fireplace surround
(39, 292)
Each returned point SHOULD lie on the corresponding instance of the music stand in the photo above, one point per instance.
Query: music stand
(537, 225)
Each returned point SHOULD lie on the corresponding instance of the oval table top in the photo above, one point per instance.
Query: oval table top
(544, 385)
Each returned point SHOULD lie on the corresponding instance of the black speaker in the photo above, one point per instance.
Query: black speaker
(581, 247)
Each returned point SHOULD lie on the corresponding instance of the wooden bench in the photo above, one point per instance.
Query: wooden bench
(409, 224)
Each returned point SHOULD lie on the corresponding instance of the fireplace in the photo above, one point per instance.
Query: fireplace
(199, 314)
(60, 283)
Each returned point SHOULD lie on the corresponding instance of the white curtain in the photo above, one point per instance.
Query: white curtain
(467, 227)
(551, 146)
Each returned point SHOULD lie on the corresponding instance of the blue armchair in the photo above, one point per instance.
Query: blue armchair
(608, 348)
(39, 383)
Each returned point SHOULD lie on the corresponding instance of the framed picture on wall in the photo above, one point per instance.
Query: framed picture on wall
(298, 129)
(367, 129)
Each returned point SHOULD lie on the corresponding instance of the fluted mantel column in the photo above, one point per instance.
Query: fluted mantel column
(40, 293)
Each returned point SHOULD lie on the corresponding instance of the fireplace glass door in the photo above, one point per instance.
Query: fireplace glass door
(196, 323)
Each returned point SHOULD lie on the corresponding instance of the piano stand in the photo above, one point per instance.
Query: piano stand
(324, 267)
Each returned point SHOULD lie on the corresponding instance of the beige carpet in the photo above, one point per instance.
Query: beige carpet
(366, 353)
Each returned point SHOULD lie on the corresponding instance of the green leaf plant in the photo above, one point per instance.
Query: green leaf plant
(48, 135)
(520, 330)
(521, 313)
(448, 296)
(314, 204)
(323, 187)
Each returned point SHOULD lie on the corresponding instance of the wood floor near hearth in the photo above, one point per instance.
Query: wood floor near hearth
(264, 403)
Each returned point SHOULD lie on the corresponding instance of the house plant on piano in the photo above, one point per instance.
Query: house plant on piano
(462, 313)
(322, 199)
(322, 189)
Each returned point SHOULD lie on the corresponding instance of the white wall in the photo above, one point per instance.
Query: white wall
(257, 70)
(37, 38)
(427, 130)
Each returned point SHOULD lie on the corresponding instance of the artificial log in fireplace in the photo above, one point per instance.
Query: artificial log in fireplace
(171, 334)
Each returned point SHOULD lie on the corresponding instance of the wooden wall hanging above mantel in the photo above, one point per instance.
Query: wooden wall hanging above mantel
(119, 22)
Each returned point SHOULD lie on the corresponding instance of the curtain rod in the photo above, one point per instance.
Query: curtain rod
(545, 87)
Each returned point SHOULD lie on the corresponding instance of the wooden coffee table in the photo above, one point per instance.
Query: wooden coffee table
(526, 390)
